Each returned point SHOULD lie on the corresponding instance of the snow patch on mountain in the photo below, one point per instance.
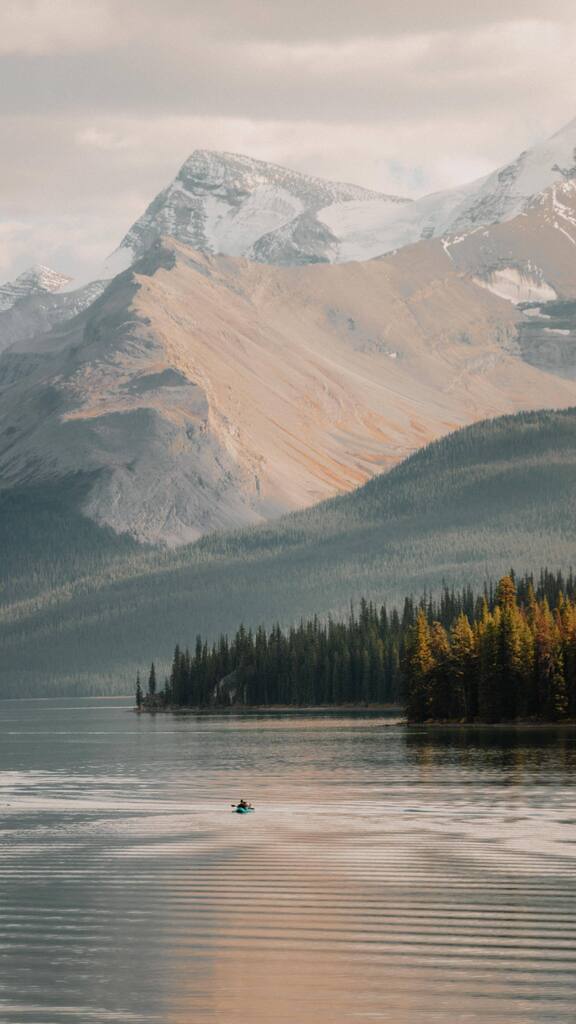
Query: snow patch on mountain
(234, 231)
(119, 261)
(517, 285)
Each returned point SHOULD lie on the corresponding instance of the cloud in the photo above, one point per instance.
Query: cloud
(12, 243)
(96, 138)
(320, 20)
(34, 27)
(365, 79)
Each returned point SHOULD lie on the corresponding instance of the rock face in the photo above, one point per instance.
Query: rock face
(202, 393)
(547, 337)
(530, 258)
(230, 204)
(530, 261)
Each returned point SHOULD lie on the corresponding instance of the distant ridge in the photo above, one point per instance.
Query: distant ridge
(33, 281)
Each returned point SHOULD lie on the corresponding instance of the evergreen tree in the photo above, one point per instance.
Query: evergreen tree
(568, 629)
(139, 696)
(509, 666)
(440, 682)
(417, 667)
(464, 669)
(489, 703)
(550, 683)
(496, 657)
(152, 681)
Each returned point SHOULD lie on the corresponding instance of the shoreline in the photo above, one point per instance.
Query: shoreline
(518, 723)
(235, 709)
(241, 710)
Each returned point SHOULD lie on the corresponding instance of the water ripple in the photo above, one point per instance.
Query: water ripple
(388, 875)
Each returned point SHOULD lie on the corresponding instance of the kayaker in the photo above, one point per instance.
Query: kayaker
(244, 805)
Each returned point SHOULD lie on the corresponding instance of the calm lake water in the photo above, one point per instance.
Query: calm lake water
(389, 874)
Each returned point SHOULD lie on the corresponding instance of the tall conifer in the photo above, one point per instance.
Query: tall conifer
(152, 681)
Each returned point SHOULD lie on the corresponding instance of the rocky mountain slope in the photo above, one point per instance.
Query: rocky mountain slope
(203, 393)
(531, 261)
(530, 258)
(83, 609)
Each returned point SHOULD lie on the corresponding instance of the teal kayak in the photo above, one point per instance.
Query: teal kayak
(242, 810)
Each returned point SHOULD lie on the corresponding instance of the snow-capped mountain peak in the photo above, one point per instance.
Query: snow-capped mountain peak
(235, 205)
(34, 281)
(217, 169)
(510, 189)
(498, 197)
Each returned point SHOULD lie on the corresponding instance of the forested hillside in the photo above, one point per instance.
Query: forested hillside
(466, 508)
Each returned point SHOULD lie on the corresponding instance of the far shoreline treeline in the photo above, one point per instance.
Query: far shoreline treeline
(505, 655)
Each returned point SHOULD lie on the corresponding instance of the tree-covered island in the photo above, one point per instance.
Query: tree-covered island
(508, 654)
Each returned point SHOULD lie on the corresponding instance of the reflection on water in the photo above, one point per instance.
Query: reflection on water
(389, 874)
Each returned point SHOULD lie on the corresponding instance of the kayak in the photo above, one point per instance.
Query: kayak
(242, 810)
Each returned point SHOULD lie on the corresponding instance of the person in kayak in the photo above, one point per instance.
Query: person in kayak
(245, 806)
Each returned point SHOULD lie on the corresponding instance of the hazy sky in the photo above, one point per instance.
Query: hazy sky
(102, 100)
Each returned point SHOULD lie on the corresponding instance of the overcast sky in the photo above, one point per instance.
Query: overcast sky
(102, 100)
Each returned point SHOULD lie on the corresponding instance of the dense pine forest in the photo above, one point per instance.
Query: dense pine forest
(508, 653)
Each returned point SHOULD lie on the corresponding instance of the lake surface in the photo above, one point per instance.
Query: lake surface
(389, 874)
